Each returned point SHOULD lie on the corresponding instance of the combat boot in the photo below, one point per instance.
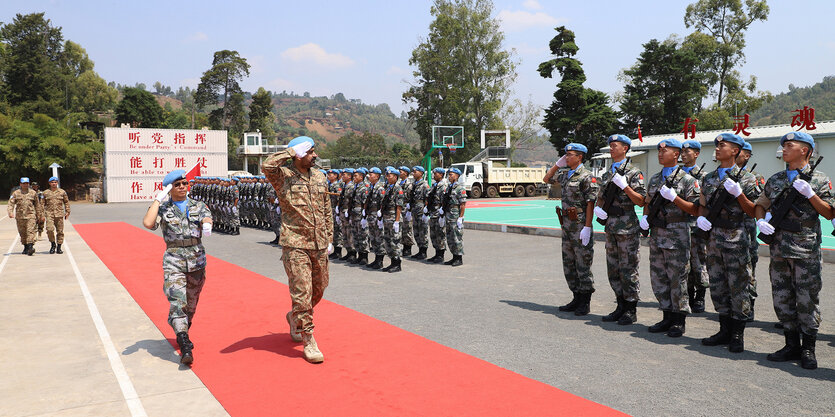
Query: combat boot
(31, 250)
(615, 315)
(723, 337)
(362, 259)
(664, 324)
(407, 250)
(449, 262)
(378, 262)
(630, 314)
(395, 265)
(698, 304)
(58, 249)
(457, 260)
(421, 254)
(236, 231)
(294, 331)
(52, 247)
(311, 350)
(737, 343)
(678, 327)
(25, 248)
(275, 242)
(337, 252)
(439, 256)
(186, 357)
(583, 305)
(347, 256)
(572, 305)
(807, 352)
(789, 352)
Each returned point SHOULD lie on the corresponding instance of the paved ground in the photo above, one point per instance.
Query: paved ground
(500, 306)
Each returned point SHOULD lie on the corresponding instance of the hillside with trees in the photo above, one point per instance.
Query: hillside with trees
(820, 96)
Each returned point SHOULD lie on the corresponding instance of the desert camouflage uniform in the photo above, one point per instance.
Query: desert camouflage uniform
(306, 232)
(345, 210)
(41, 224)
(698, 276)
(56, 207)
(336, 188)
(27, 210)
(393, 200)
(454, 197)
(406, 232)
(577, 190)
(416, 203)
(374, 203)
(433, 204)
(360, 235)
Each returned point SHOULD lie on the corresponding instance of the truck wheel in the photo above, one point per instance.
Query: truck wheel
(475, 192)
(518, 191)
(530, 190)
(492, 192)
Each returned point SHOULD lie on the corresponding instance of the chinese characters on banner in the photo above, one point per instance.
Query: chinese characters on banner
(804, 118)
(740, 124)
(689, 128)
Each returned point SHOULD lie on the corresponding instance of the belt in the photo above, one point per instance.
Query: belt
(182, 243)
(676, 219)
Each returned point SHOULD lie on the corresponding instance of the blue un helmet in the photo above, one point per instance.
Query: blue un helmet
(747, 147)
(455, 171)
(349, 170)
(439, 170)
(405, 169)
(362, 170)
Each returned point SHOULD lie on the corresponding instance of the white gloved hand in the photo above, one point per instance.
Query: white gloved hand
(561, 162)
(668, 193)
(408, 206)
(426, 210)
(619, 180)
(765, 227)
(207, 229)
(164, 193)
(277, 209)
(768, 216)
(425, 218)
(338, 220)
(336, 209)
(363, 212)
(441, 211)
(364, 223)
(380, 224)
(408, 216)
(644, 223)
(330, 248)
(441, 221)
(396, 227)
(803, 188)
(704, 223)
(346, 214)
(302, 148)
(460, 223)
(732, 187)
(585, 235)
(379, 213)
(600, 213)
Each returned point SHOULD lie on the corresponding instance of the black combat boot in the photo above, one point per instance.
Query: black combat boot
(723, 337)
(237, 231)
(362, 258)
(572, 305)
(439, 256)
(678, 327)
(58, 249)
(421, 254)
(663, 325)
(751, 317)
(807, 351)
(25, 249)
(789, 352)
(698, 303)
(347, 255)
(630, 313)
(615, 315)
(186, 357)
(737, 343)
(449, 262)
(275, 242)
(395, 265)
(583, 306)
(378, 262)
(336, 253)
(407, 250)
(52, 247)
(31, 250)
(457, 260)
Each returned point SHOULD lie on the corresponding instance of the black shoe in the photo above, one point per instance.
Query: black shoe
(186, 357)
(31, 250)
(439, 256)
(52, 247)
(698, 304)
(457, 260)
(678, 327)
(583, 306)
(737, 343)
(789, 352)
(778, 325)
(630, 314)
(723, 337)
(237, 231)
(449, 262)
(663, 325)
(572, 305)
(275, 242)
(378, 262)
(395, 265)
(337, 252)
(407, 251)
(25, 249)
(615, 315)
(807, 352)
(362, 258)
(421, 254)
(58, 249)
(347, 255)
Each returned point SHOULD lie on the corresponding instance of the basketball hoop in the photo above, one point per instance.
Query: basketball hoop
(451, 147)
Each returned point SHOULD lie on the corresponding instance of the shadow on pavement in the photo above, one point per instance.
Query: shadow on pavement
(160, 348)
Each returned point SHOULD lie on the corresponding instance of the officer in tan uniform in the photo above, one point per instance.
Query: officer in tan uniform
(57, 209)
(306, 234)
(25, 207)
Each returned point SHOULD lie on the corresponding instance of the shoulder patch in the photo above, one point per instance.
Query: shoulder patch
(696, 184)
(593, 180)
(464, 192)
(641, 176)
(382, 192)
(400, 192)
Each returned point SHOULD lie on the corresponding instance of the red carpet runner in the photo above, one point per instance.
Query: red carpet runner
(245, 356)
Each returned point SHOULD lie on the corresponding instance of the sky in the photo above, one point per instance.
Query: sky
(361, 48)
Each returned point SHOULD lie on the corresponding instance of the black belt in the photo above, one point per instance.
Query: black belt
(182, 243)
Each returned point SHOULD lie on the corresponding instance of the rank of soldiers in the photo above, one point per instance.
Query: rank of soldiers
(239, 201)
(702, 230)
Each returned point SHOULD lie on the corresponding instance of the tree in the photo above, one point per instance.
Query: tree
(260, 112)
(139, 108)
(163, 90)
(577, 114)
(221, 80)
(462, 74)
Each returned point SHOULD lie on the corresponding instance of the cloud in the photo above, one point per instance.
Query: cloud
(315, 54)
(532, 5)
(256, 64)
(521, 20)
(196, 37)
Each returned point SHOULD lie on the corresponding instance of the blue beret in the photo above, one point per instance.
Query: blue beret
(747, 147)
(53, 179)
(729, 137)
(620, 138)
(418, 168)
(235, 179)
(439, 170)
(333, 171)
(800, 137)
(362, 170)
(375, 170)
(301, 139)
(455, 170)
(672, 143)
(405, 169)
(692, 144)
(391, 170)
(575, 147)
(24, 179)
(348, 170)
(177, 174)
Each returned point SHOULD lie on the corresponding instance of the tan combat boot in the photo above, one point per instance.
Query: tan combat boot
(311, 351)
(294, 332)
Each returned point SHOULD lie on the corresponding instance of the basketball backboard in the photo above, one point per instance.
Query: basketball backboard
(451, 137)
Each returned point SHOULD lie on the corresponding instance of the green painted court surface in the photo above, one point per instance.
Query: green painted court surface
(540, 213)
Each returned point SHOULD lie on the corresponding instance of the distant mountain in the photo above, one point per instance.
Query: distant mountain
(820, 96)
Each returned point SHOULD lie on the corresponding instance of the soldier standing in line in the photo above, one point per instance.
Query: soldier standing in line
(234, 201)
(433, 210)
(697, 280)
(751, 224)
(795, 266)
(417, 203)
(623, 240)
(275, 215)
(392, 209)
(26, 208)
(306, 235)
(579, 192)
(360, 233)
(406, 182)
(454, 201)
(37, 189)
(184, 222)
(373, 220)
(335, 187)
(57, 209)
(727, 245)
(669, 242)
(344, 214)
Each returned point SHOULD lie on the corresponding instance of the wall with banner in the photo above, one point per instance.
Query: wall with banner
(136, 160)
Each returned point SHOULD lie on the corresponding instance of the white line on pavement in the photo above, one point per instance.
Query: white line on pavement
(128, 391)
(3, 218)
(8, 254)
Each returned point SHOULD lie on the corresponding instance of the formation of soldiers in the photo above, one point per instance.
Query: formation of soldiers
(239, 201)
(702, 227)
(35, 210)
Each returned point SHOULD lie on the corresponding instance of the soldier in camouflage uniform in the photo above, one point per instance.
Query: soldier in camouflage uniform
(335, 187)
(234, 201)
(417, 203)
(184, 222)
(751, 223)
(373, 221)
(306, 234)
(669, 242)
(406, 183)
(360, 233)
(795, 266)
(454, 201)
(26, 208)
(392, 210)
(579, 192)
(56, 209)
(274, 215)
(622, 234)
(727, 247)
(344, 214)
(433, 210)
(697, 280)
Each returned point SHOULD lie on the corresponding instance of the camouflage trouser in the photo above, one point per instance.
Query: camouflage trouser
(576, 262)
(27, 229)
(275, 224)
(347, 232)
(235, 218)
(420, 228)
(360, 234)
(622, 265)
(407, 236)
(393, 240)
(730, 278)
(698, 276)
(40, 226)
(753, 251)
(438, 233)
(55, 224)
(183, 292)
(454, 235)
(796, 285)
(375, 235)
(668, 269)
(337, 231)
(307, 277)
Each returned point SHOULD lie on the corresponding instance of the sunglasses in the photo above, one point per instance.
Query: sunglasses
(180, 184)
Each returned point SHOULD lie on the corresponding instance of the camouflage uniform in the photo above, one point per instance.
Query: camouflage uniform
(751, 227)
(433, 203)
(306, 231)
(336, 188)
(41, 224)
(56, 207)
(578, 188)
(184, 260)
(345, 210)
(360, 235)
(417, 202)
(698, 276)
(454, 197)
(408, 238)
(374, 203)
(27, 210)
(393, 200)
(275, 215)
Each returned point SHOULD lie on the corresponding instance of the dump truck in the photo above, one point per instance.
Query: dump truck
(486, 178)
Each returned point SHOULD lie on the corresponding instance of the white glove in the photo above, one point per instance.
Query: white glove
(396, 227)
(668, 193)
(207, 229)
(408, 216)
(460, 223)
(336, 209)
(833, 222)
(804, 188)
(441, 221)
(363, 212)
(704, 223)
(330, 248)
(732, 187)
(338, 220)
(765, 227)
(768, 216)
(364, 223)
(425, 210)
(277, 209)
(441, 211)
(301, 149)
(600, 213)
(425, 218)
(379, 213)
(164, 193)
(380, 224)
(643, 222)
(585, 235)
(619, 180)
(561, 162)
(408, 206)
(346, 214)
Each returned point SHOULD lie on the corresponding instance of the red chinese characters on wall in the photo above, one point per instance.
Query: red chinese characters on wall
(179, 138)
(689, 128)
(133, 137)
(157, 137)
(135, 162)
(741, 123)
(200, 138)
(805, 118)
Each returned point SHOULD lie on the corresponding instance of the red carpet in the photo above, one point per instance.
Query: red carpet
(246, 358)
